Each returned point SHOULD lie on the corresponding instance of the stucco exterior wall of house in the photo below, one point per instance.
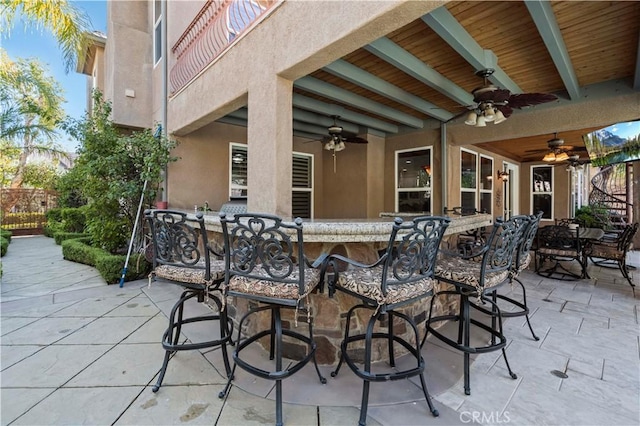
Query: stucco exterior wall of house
(129, 60)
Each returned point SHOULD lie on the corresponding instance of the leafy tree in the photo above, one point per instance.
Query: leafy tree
(30, 108)
(114, 167)
(68, 23)
(41, 175)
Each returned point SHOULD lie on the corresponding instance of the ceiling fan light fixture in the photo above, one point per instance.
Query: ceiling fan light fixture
(471, 119)
(563, 156)
(489, 113)
(481, 122)
(499, 118)
(550, 156)
(330, 145)
(339, 146)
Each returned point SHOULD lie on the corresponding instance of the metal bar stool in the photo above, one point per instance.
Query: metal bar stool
(476, 278)
(520, 263)
(403, 275)
(181, 255)
(265, 263)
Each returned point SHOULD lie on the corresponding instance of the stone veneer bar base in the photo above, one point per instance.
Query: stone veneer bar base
(360, 240)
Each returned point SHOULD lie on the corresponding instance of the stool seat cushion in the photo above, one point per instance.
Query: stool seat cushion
(524, 263)
(279, 290)
(367, 282)
(467, 272)
(190, 275)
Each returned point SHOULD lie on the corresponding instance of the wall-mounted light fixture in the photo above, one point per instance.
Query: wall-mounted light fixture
(502, 175)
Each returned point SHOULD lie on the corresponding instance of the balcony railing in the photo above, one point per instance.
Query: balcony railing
(216, 26)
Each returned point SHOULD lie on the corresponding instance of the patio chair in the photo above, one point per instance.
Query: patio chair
(181, 255)
(403, 275)
(265, 264)
(559, 244)
(614, 253)
(520, 263)
(477, 278)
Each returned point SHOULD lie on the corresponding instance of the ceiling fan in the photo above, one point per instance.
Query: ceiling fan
(493, 104)
(557, 151)
(337, 138)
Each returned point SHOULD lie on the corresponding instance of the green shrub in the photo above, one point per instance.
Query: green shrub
(63, 236)
(111, 266)
(73, 219)
(6, 234)
(79, 251)
(54, 215)
(4, 246)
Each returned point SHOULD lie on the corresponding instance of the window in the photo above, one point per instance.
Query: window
(238, 167)
(413, 180)
(476, 181)
(302, 192)
(542, 191)
(486, 184)
(157, 31)
(468, 180)
(302, 179)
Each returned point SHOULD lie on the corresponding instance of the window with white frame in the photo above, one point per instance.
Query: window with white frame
(468, 180)
(302, 179)
(413, 180)
(486, 184)
(542, 191)
(157, 31)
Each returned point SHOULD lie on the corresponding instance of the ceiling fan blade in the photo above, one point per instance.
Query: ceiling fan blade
(496, 95)
(506, 110)
(354, 139)
(522, 100)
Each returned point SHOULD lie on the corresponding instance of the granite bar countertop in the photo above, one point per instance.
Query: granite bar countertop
(360, 230)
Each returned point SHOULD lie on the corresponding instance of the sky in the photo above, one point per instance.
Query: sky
(30, 42)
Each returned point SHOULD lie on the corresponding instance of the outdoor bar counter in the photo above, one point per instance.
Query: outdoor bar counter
(358, 239)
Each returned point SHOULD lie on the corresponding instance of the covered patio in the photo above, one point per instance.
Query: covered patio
(76, 351)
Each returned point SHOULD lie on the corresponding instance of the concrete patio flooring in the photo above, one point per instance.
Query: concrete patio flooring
(76, 351)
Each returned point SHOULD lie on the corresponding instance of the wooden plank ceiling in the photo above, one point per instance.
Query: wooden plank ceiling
(391, 82)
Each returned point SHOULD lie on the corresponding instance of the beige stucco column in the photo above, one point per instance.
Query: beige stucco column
(375, 175)
(270, 142)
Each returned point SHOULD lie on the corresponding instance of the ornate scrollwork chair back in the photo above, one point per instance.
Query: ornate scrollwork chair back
(182, 255)
(402, 276)
(265, 262)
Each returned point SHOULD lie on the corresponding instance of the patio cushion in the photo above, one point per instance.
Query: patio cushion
(606, 252)
(368, 281)
(558, 252)
(279, 290)
(524, 262)
(467, 272)
(190, 275)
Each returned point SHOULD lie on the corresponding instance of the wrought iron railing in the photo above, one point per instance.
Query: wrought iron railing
(218, 24)
(23, 210)
(610, 189)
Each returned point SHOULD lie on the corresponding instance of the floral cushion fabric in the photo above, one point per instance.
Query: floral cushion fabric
(558, 252)
(606, 252)
(276, 289)
(467, 272)
(524, 263)
(190, 275)
(368, 283)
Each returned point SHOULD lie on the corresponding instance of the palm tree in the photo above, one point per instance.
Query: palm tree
(68, 23)
(31, 108)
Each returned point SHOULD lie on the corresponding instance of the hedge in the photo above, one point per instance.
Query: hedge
(59, 237)
(108, 265)
(5, 239)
